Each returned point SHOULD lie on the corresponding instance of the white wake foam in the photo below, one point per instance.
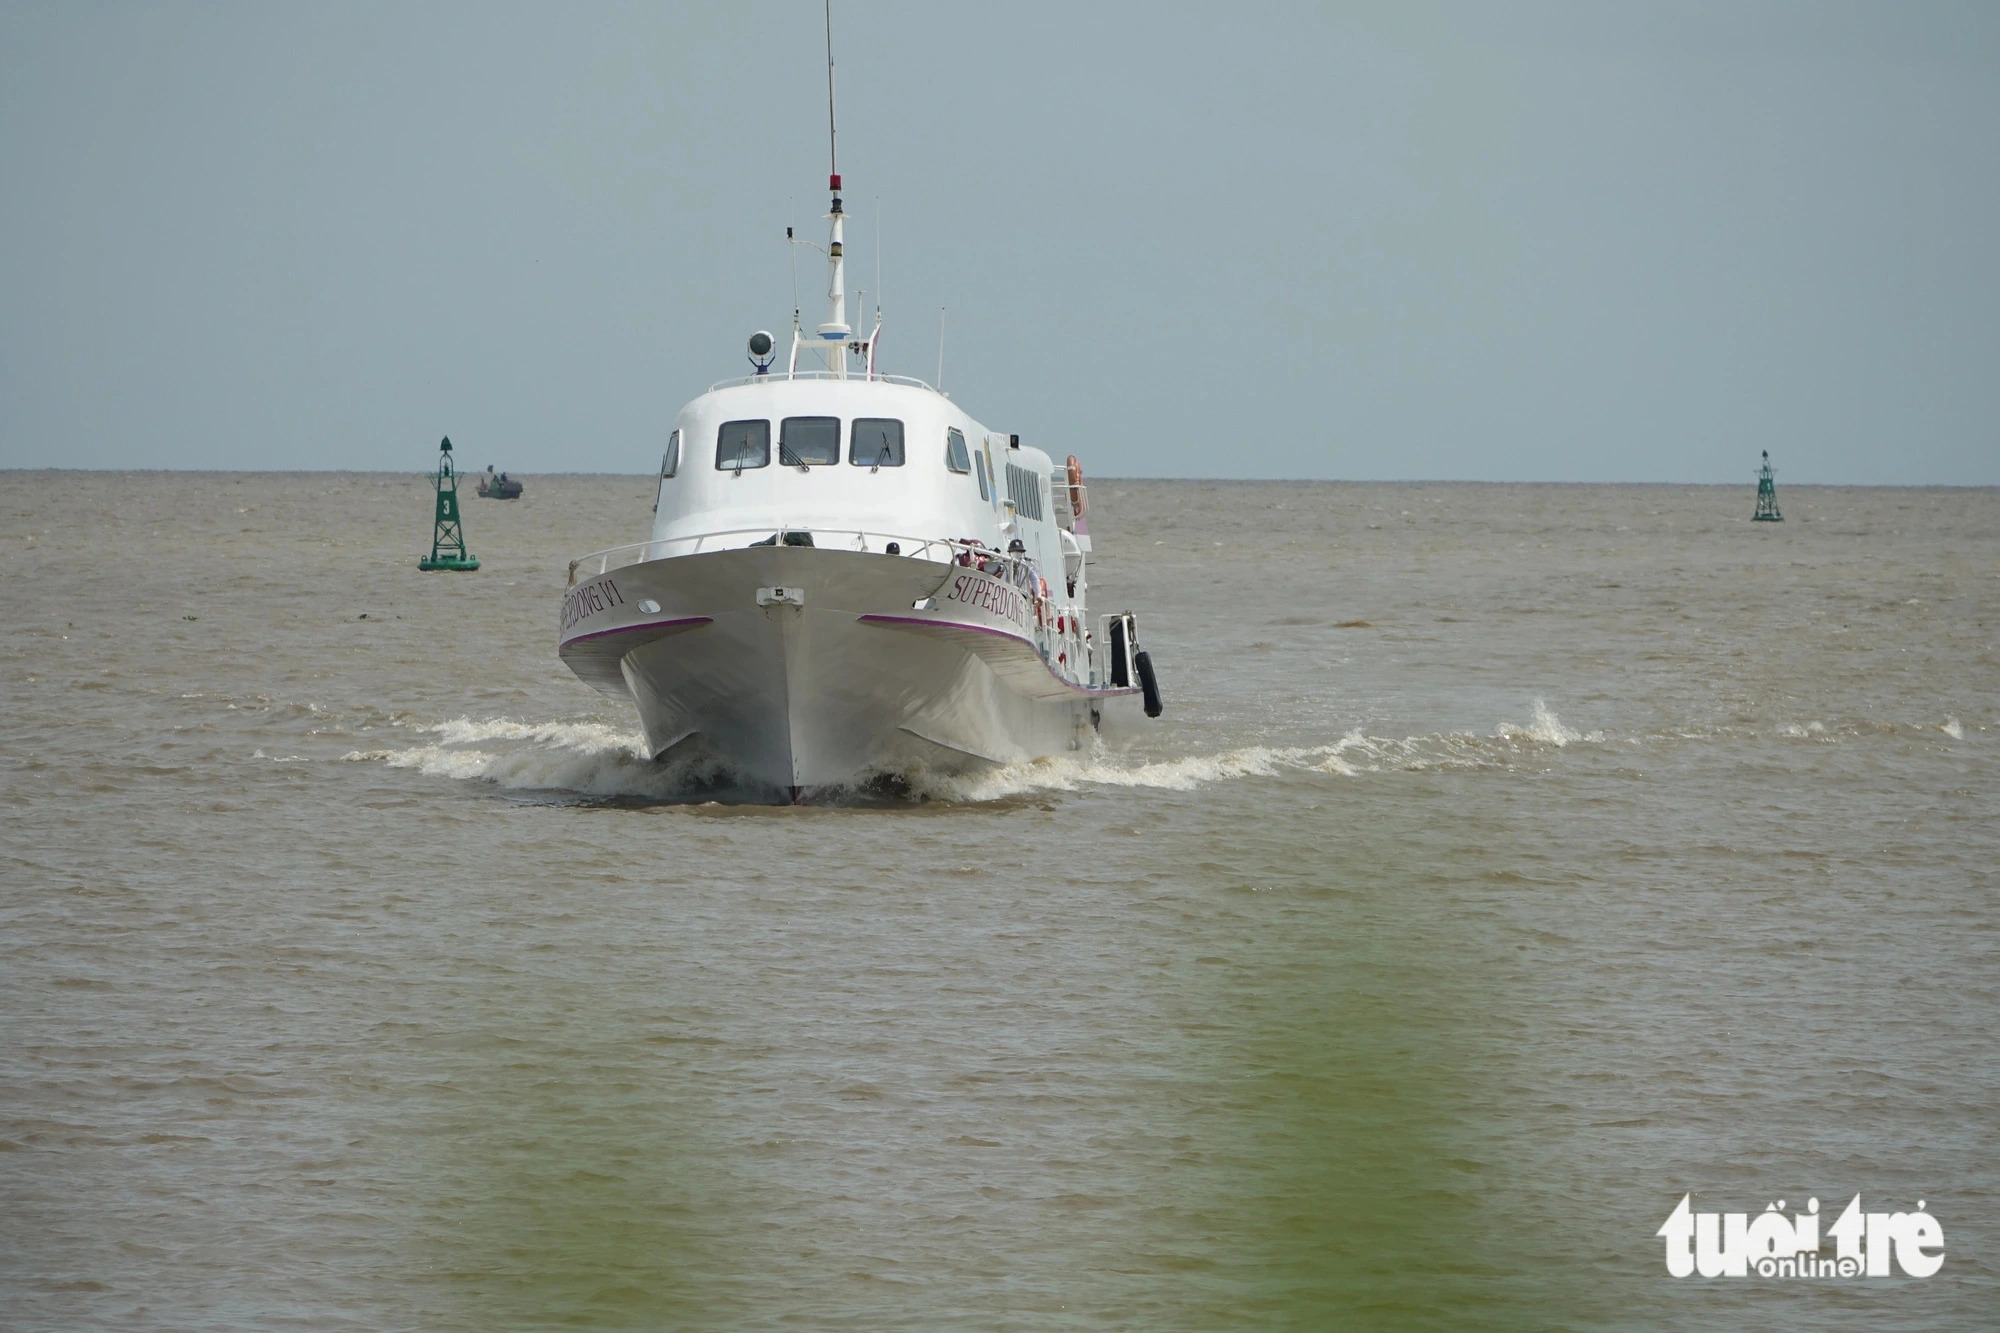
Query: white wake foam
(1546, 728)
(1099, 768)
(1353, 755)
(592, 759)
(590, 736)
(1952, 729)
(584, 757)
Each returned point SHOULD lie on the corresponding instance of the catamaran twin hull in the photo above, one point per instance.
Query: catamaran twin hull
(802, 670)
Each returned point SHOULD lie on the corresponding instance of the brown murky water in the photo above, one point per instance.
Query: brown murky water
(1511, 861)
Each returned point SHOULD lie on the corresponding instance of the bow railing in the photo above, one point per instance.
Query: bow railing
(1059, 631)
(943, 550)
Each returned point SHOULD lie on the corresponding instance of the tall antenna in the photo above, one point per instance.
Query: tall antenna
(832, 157)
(831, 338)
(940, 383)
(833, 334)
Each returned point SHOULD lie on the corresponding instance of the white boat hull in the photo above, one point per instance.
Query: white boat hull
(804, 671)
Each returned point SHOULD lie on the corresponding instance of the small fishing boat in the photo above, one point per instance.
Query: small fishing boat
(499, 486)
(850, 578)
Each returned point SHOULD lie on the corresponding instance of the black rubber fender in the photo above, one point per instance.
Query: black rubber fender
(1149, 685)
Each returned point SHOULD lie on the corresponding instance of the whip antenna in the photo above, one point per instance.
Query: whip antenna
(834, 334)
(832, 157)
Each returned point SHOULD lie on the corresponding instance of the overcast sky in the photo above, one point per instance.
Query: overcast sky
(1529, 241)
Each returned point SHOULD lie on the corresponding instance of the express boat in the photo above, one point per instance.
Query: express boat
(849, 578)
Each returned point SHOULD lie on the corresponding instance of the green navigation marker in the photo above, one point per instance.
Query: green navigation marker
(1767, 495)
(448, 537)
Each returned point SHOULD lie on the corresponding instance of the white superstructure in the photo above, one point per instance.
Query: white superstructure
(848, 576)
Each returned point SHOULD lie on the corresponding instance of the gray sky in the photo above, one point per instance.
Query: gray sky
(1534, 241)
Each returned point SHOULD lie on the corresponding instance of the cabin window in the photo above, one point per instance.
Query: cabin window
(955, 456)
(985, 477)
(670, 462)
(742, 444)
(1024, 488)
(803, 441)
(876, 442)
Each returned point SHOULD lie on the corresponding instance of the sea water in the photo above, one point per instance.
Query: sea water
(1510, 862)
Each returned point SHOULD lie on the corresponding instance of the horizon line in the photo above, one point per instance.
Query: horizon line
(1203, 480)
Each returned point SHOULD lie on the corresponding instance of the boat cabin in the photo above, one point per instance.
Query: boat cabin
(857, 464)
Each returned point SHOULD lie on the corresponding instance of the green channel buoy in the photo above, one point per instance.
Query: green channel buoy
(1767, 494)
(448, 535)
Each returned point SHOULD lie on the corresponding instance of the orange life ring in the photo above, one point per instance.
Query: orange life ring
(1077, 501)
